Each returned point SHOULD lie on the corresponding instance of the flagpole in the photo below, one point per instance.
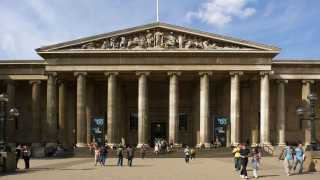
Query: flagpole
(157, 10)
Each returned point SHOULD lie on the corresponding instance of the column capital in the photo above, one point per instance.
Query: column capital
(232, 73)
(52, 74)
(37, 82)
(263, 73)
(177, 73)
(280, 81)
(76, 74)
(201, 73)
(308, 81)
(139, 73)
(107, 74)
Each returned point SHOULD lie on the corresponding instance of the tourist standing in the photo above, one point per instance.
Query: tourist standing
(237, 160)
(299, 158)
(130, 153)
(26, 155)
(256, 156)
(143, 151)
(244, 154)
(18, 154)
(187, 154)
(287, 153)
(103, 156)
(120, 155)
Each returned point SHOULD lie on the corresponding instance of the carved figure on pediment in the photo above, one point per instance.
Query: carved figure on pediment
(207, 45)
(198, 44)
(133, 42)
(158, 39)
(105, 44)
(142, 41)
(122, 42)
(189, 44)
(171, 40)
(89, 45)
(149, 39)
(113, 43)
(181, 41)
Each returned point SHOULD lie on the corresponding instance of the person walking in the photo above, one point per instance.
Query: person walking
(192, 154)
(120, 155)
(26, 155)
(187, 154)
(156, 150)
(130, 153)
(287, 155)
(256, 156)
(18, 155)
(244, 154)
(96, 155)
(142, 151)
(237, 159)
(299, 158)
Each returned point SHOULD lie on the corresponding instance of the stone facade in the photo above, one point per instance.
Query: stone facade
(159, 80)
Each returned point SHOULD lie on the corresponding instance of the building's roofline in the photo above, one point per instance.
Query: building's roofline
(23, 62)
(154, 25)
(296, 61)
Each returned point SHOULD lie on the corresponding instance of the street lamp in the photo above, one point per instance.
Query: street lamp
(312, 97)
(13, 113)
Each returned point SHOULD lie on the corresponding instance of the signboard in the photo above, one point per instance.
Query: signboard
(97, 130)
(219, 128)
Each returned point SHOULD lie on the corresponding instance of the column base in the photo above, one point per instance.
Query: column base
(145, 145)
(80, 145)
(282, 144)
(37, 151)
(177, 145)
(113, 145)
(204, 145)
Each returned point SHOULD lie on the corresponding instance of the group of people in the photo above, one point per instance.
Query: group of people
(101, 154)
(161, 145)
(24, 152)
(189, 153)
(293, 158)
(241, 157)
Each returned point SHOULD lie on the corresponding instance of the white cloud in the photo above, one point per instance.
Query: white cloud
(222, 12)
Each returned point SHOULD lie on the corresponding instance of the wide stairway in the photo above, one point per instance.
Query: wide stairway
(175, 153)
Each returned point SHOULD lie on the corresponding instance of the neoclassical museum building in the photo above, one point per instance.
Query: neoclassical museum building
(159, 81)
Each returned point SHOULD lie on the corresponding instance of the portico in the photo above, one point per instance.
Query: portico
(176, 87)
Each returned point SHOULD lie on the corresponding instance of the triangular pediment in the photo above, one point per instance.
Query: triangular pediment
(157, 37)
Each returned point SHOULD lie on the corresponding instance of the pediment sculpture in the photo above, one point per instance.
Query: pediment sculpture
(158, 39)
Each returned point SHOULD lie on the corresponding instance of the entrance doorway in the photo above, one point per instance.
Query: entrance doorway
(220, 129)
(158, 130)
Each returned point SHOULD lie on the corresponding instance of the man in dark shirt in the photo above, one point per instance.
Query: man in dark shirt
(244, 154)
(18, 154)
(130, 155)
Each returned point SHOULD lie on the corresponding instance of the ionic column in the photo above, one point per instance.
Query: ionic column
(204, 109)
(63, 124)
(235, 107)
(11, 125)
(306, 90)
(36, 111)
(174, 107)
(143, 121)
(51, 122)
(112, 109)
(264, 109)
(281, 112)
(89, 109)
(81, 109)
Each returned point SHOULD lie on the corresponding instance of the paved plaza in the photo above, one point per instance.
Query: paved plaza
(147, 169)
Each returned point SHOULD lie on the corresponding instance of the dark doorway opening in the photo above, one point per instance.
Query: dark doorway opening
(158, 130)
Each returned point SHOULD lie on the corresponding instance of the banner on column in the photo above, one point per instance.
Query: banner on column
(97, 129)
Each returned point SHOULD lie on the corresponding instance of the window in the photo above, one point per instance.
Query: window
(183, 121)
(133, 120)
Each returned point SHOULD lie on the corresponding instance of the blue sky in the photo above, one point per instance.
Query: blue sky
(293, 25)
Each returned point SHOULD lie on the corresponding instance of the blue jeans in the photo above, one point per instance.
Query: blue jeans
(120, 161)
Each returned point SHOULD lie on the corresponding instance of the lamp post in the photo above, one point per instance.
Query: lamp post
(4, 115)
(312, 117)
